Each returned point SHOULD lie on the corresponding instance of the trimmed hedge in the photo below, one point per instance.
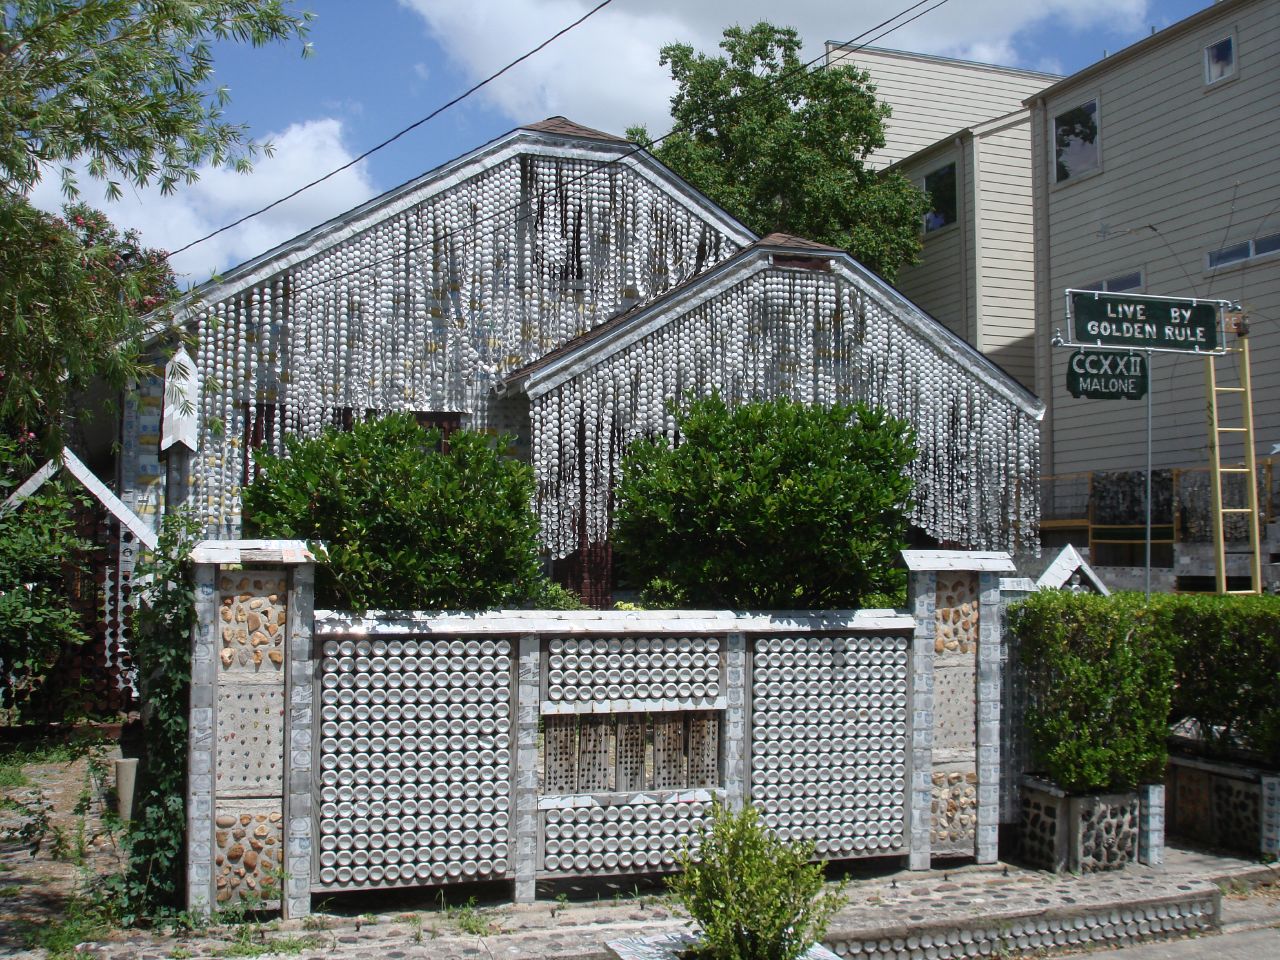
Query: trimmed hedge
(1106, 676)
(1100, 684)
(1228, 669)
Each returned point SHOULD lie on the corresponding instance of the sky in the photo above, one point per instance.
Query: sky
(379, 65)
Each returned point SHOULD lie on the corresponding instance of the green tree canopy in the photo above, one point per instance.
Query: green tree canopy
(784, 148)
(73, 290)
(404, 526)
(124, 85)
(767, 505)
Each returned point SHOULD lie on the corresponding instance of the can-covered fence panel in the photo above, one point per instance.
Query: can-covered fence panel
(522, 745)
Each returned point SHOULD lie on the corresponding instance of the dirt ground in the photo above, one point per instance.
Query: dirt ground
(53, 838)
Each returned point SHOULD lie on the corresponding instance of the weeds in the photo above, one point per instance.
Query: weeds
(468, 918)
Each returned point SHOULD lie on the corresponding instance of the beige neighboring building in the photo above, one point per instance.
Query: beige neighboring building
(933, 97)
(976, 269)
(1156, 172)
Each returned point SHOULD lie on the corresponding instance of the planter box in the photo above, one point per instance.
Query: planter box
(670, 946)
(1079, 834)
(1224, 804)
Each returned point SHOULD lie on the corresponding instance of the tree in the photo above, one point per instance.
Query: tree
(784, 148)
(768, 505)
(123, 84)
(73, 291)
(404, 526)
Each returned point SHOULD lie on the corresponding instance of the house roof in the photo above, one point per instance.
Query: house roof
(635, 322)
(553, 136)
(855, 48)
(562, 126)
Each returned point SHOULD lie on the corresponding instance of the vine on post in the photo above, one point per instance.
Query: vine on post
(162, 622)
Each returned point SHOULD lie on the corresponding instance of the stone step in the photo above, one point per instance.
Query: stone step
(1023, 914)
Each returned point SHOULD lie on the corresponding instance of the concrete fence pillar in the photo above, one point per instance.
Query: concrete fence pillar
(250, 777)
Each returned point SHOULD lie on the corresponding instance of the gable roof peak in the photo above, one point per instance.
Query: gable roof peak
(565, 127)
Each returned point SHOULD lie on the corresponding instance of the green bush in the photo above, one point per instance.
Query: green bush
(755, 897)
(1099, 675)
(770, 504)
(404, 526)
(1227, 668)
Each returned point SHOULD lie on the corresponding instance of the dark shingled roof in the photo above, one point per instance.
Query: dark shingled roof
(567, 128)
(787, 240)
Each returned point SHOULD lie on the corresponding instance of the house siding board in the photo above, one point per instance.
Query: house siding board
(1197, 164)
(932, 97)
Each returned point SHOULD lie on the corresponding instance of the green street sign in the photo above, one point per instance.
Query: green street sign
(1153, 323)
(1107, 375)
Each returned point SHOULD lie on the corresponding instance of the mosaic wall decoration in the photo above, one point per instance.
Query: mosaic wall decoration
(1039, 838)
(621, 752)
(248, 851)
(414, 761)
(635, 837)
(252, 620)
(250, 739)
(956, 619)
(424, 309)
(955, 812)
(816, 337)
(633, 668)
(829, 741)
(1108, 833)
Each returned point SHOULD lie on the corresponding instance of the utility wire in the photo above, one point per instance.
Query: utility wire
(594, 171)
(396, 136)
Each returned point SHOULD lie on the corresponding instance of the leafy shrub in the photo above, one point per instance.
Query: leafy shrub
(38, 540)
(404, 526)
(770, 504)
(1228, 668)
(1099, 681)
(755, 897)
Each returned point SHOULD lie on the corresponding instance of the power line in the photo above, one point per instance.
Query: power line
(396, 136)
(595, 171)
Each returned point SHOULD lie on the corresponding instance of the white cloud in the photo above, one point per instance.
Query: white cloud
(605, 73)
(303, 152)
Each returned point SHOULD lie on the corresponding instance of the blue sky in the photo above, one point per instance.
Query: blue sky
(379, 65)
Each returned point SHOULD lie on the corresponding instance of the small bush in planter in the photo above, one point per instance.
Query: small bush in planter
(755, 897)
(1099, 684)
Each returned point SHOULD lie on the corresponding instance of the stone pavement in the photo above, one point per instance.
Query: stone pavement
(969, 911)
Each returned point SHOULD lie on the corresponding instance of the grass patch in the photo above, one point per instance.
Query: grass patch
(11, 775)
(251, 941)
(42, 750)
(82, 920)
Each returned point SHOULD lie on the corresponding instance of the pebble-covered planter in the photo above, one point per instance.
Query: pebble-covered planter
(1079, 834)
(1224, 804)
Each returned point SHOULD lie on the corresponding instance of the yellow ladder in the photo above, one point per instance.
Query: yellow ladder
(1250, 469)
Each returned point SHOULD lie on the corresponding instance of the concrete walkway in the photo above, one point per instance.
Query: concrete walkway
(970, 911)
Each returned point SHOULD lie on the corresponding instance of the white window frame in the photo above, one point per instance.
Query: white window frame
(1105, 285)
(1214, 82)
(1252, 256)
(1075, 104)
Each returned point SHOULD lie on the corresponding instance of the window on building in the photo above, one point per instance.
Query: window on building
(1246, 250)
(941, 187)
(1075, 134)
(1220, 60)
(1125, 282)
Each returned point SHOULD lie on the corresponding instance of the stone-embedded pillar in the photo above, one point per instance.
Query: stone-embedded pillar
(955, 599)
(200, 792)
(1014, 745)
(248, 792)
(1270, 816)
(735, 722)
(300, 730)
(990, 647)
(1151, 824)
(920, 710)
(525, 795)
